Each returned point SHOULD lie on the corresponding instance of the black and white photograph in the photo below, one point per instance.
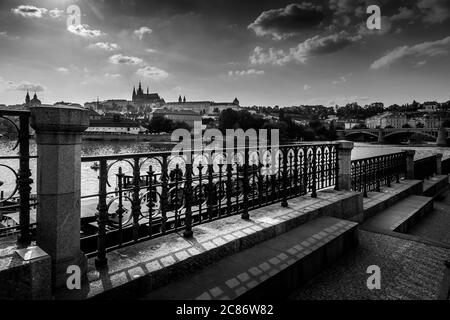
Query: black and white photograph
(253, 152)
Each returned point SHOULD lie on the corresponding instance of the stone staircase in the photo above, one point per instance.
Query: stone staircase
(401, 216)
(271, 269)
(233, 258)
(269, 256)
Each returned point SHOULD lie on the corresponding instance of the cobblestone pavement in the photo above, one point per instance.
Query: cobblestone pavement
(436, 225)
(409, 271)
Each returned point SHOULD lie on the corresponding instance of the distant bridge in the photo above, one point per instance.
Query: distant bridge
(440, 135)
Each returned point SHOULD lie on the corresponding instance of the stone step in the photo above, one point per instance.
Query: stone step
(401, 216)
(271, 269)
(435, 186)
(378, 201)
(138, 269)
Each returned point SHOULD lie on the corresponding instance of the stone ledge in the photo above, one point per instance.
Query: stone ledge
(20, 279)
(435, 186)
(271, 269)
(136, 270)
(402, 216)
(379, 201)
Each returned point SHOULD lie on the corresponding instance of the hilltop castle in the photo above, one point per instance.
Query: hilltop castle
(139, 98)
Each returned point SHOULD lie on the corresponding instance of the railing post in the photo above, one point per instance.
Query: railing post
(102, 215)
(410, 164)
(136, 200)
(188, 196)
(24, 181)
(314, 173)
(59, 136)
(246, 188)
(284, 202)
(345, 165)
(438, 163)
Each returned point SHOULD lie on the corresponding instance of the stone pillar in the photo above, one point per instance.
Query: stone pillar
(441, 140)
(410, 164)
(341, 134)
(345, 165)
(439, 163)
(380, 136)
(58, 136)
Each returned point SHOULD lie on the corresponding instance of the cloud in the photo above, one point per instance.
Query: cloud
(55, 13)
(422, 50)
(22, 86)
(306, 87)
(104, 46)
(28, 11)
(311, 47)
(62, 70)
(434, 11)
(285, 22)
(121, 59)
(403, 14)
(151, 72)
(113, 75)
(421, 63)
(342, 79)
(83, 30)
(141, 32)
(248, 72)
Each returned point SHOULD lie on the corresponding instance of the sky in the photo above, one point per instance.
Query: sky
(262, 52)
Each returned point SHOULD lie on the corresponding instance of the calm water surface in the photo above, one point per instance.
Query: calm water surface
(89, 183)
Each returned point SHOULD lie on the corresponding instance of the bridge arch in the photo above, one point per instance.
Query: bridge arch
(411, 132)
(348, 133)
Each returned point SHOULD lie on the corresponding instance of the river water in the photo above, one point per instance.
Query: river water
(89, 183)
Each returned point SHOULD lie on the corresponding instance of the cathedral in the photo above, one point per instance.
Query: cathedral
(140, 98)
(33, 102)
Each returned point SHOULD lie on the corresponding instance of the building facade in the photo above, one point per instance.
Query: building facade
(114, 125)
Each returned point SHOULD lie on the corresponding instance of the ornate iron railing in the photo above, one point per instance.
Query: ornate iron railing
(143, 196)
(425, 168)
(17, 198)
(369, 174)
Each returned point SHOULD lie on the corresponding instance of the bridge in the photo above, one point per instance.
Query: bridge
(439, 134)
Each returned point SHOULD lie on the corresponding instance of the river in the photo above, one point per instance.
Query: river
(89, 183)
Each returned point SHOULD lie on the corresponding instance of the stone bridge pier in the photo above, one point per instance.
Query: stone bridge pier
(381, 136)
(442, 137)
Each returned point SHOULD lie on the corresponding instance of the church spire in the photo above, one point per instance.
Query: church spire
(27, 98)
(134, 93)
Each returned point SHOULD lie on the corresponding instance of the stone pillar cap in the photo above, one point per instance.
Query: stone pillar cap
(59, 118)
(344, 144)
(410, 151)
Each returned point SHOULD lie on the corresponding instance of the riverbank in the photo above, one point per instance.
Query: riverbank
(157, 138)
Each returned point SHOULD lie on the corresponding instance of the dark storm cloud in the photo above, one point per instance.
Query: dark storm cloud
(284, 22)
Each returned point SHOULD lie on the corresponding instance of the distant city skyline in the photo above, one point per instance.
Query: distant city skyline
(268, 52)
